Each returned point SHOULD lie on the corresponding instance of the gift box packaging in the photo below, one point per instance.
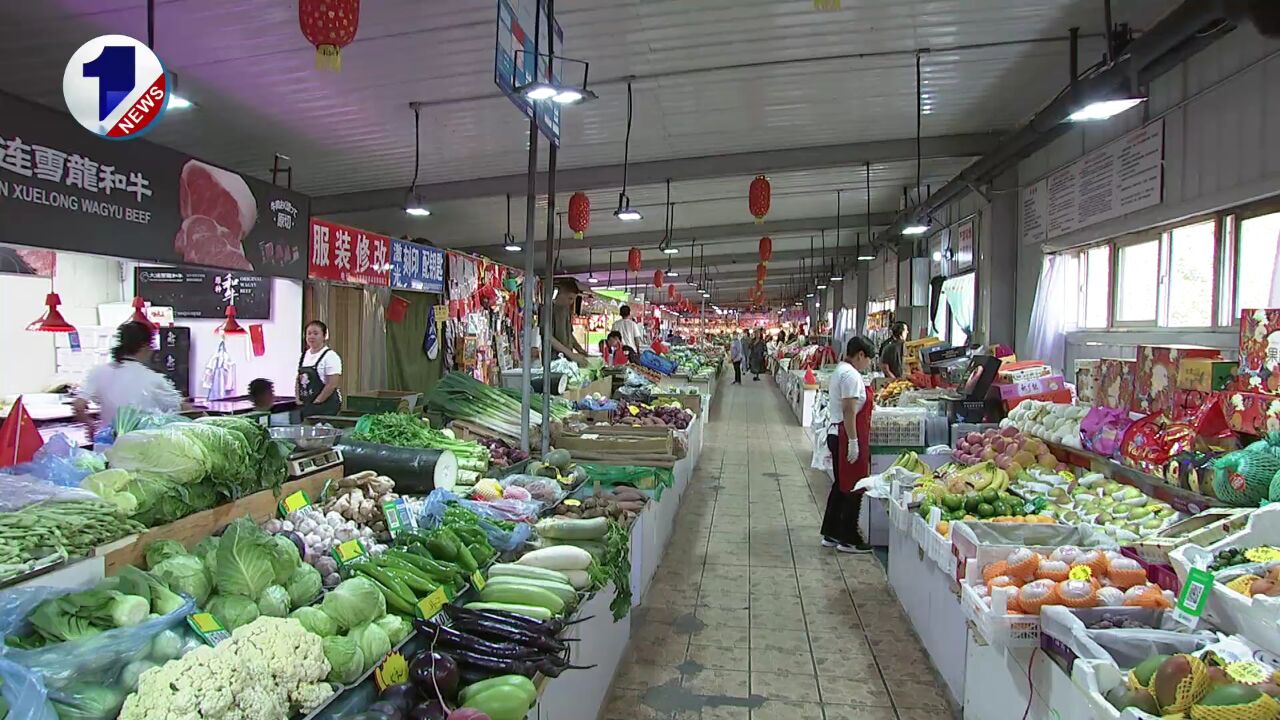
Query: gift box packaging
(1025, 370)
(1115, 388)
(1186, 402)
(1062, 395)
(1259, 367)
(1156, 374)
(1206, 375)
(1028, 388)
(1089, 381)
(1252, 413)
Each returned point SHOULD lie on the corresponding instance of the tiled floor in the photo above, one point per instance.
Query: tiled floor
(748, 617)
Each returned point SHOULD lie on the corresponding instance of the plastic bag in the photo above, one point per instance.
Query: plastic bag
(66, 669)
(23, 490)
(25, 694)
(431, 513)
(1150, 441)
(1102, 430)
(61, 462)
(545, 490)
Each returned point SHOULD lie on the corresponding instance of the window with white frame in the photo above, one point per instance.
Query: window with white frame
(1095, 287)
(1189, 290)
(1257, 257)
(1137, 282)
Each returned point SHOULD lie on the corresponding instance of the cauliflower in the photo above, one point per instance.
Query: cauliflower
(269, 668)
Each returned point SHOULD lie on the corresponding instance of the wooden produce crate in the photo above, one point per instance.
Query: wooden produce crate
(192, 529)
(604, 386)
(596, 443)
(689, 402)
(382, 401)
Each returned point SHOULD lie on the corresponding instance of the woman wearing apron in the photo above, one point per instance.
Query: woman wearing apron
(319, 372)
(848, 439)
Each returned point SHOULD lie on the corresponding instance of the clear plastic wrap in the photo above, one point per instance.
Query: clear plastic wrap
(548, 491)
(23, 490)
(431, 512)
(24, 693)
(61, 462)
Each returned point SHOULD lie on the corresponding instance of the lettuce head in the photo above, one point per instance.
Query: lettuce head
(245, 560)
(166, 452)
(274, 602)
(184, 574)
(353, 602)
(315, 621)
(232, 610)
(346, 659)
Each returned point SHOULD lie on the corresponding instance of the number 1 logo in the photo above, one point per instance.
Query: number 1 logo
(115, 87)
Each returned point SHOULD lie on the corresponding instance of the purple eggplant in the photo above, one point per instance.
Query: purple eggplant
(403, 696)
(429, 710)
(434, 673)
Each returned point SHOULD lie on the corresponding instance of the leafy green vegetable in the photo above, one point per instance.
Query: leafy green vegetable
(230, 467)
(274, 602)
(266, 455)
(245, 557)
(353, 602)
(617, 561)
(133, 581)
(185, 574)
(402, 430)
(161, 550)
(88, 701)
(207, 551)
(166, 645)
(166, 452)
(373, 641)
(284, 558)
(161, 501)
(316, 621)
(346, 660)
(84, 614)
(396, 627)
(232, 610)
(303, 585)
(112, 486)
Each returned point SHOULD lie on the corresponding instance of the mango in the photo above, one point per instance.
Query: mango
(1145, 669)
(1240, 702)
(1178, 682)
(1121, 697)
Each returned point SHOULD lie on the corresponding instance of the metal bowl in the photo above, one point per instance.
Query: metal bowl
(307, 437)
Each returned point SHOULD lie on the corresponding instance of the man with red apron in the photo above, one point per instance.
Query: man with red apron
(850, 446)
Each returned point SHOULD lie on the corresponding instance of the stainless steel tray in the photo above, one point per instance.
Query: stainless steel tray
(307, 437)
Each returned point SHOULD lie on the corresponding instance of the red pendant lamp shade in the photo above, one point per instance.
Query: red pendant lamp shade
(231, 327)
(52, 320)
(330, 25)
(579, 214)
(140, 314)
(671, 292)
(766, 249)
(633, 259)
(657, 278)
(758, 197)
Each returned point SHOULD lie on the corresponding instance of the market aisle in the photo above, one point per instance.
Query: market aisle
(748, 617)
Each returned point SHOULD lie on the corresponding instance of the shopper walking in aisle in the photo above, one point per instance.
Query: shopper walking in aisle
(848, 439)
(319, 372)
(891, 351)
(564, 306)
(631, 331)
(126, 380)
(738, 353)
(757, 352)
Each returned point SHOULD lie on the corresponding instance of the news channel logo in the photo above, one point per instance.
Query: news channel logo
(115, 87)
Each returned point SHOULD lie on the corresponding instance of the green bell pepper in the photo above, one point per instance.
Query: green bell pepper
(517, 681)
(503, 702)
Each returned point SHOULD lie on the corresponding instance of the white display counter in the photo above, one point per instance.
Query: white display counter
(602, 642)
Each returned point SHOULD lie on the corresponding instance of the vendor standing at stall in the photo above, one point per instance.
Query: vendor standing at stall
(849, 440)
(319, 373)
(127, 380)
(891, 352)
(563, 307)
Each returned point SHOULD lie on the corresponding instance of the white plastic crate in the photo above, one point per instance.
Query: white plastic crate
(898, 427)
(999, 631)
(938, 548)
(899, 514)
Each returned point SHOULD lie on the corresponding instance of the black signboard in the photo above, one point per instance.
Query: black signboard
(194, 293)
(173, 359)
(64, 188)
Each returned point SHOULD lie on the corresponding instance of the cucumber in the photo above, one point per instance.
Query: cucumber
(562, 590)
(522, 595)
(526, 571)
(530, 611)
(571, 529)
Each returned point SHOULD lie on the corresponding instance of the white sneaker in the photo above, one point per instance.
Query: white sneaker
(828, 542)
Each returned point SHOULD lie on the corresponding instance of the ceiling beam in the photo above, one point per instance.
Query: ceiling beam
(722, 262)
(677, 169)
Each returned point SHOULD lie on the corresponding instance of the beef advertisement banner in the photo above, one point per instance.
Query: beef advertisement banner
(349, 255)
(195, 293)
(416, 267)
(64, 188)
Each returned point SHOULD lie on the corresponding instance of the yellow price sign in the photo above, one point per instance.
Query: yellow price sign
(572, 502)
(477, 580)
(1265, 553)
(294, 502)
(633, 409)
(206, 622)
(393, 670)
(1247, 672)
(1080, 572)
(430, 606)
(348, 551)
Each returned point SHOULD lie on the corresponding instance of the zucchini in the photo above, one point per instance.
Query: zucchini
(571, 529)
(527, 571)
(562, 590)
(530, 611)
(522, 595)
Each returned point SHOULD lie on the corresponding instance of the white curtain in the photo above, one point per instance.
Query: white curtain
(373, 336)
(960, 300)
(1046, 338)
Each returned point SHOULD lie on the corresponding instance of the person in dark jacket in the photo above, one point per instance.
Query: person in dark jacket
(756, 353)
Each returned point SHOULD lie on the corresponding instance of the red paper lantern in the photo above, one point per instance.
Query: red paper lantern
(758, 197)
(766, 249)
(579, 214)
(761, 270)
(671, 292)
(633, 259)
(330, 25)
(657, 278)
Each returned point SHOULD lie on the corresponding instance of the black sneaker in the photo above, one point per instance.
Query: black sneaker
(828, 542)
(859, 549)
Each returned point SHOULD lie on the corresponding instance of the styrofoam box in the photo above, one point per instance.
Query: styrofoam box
(938, 548)
(899, 514)
(988, 542)
(1255, 618)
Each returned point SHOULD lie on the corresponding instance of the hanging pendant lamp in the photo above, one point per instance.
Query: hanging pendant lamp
(625, 212)
(230, 326)
(52, 320)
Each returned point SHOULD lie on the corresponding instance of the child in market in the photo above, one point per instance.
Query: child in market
(263, 394)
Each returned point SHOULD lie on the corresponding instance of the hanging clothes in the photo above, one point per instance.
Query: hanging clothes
(219, 379)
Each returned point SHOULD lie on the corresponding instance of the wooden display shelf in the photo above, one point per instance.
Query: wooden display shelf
(1181, 499)
(194, 528)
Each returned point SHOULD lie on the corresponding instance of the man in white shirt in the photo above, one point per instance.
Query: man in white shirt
(849, 413)
(631, 331)
(126, 380)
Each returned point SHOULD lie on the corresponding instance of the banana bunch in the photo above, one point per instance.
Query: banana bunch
(981, 476)
(912, 462)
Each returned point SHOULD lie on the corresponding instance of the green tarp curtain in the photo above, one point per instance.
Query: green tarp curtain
(408, 367)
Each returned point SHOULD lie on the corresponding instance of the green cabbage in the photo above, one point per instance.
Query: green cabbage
(303, 585)
(232, 610)
(353, 602)
(161, 501)
(315, 621)
(166, 452)
(231, 469)
(396, 627)
(112, 486)
(185, 574)
(88, 701)
(161, 550)
(346, 660)
(207, 551)
(274, 602)
(373, 642)
(245, 556)
(284, 558)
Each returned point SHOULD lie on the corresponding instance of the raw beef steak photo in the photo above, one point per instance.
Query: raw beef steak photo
(218, 211)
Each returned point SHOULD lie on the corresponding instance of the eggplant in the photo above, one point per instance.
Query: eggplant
(550, 628)
(491, 631)
(434, 673)
(402, 695)
(391, 711)
(452, 638)
(429, 710)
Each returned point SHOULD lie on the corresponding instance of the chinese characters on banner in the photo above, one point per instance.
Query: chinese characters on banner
(416, 267)
(346, 254)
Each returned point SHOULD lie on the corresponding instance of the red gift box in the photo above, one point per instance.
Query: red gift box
(1089, 381)
(1029, 388)
(1186, 402)
(1259, 352)
(1252, 413)
(1115, 389)
(1156, 374)
(1057, 396)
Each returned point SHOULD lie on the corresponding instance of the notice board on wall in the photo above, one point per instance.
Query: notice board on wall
(1119, 178)
(196, 293)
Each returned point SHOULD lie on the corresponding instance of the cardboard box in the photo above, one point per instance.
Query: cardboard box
(1062, 396)
(1115, 389)
(1025, 370)
(1259, 367)
(1088, 381)
(1206, 375)
(1029, 388)
(1156, 374)
(1252, 413)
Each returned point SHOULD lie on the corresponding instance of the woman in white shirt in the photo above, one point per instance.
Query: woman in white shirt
(126, 380)
(319, 372)
(848, 439)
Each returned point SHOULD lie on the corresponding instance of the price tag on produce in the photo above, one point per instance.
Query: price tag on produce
(398, 516)
(1194, 596)
(348, 551)
(477, 580)
(591, 436)
(430, 606)
(1263, 554)
(393, 670)
(294, 502)
(1080, 572)
(572, 502)
(208, 628)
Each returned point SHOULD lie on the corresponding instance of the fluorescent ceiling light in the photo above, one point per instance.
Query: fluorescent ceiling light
(670, 249)
(567, 96)
(177, 102)
(540, 91)
(836, 278)
(809, 295)
(592, 280)
(416, 210)
(512, 247)
(915, 229)
(672, 273)
(866, 257)
(627, 214)
(823, 286)
(1103, 109)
